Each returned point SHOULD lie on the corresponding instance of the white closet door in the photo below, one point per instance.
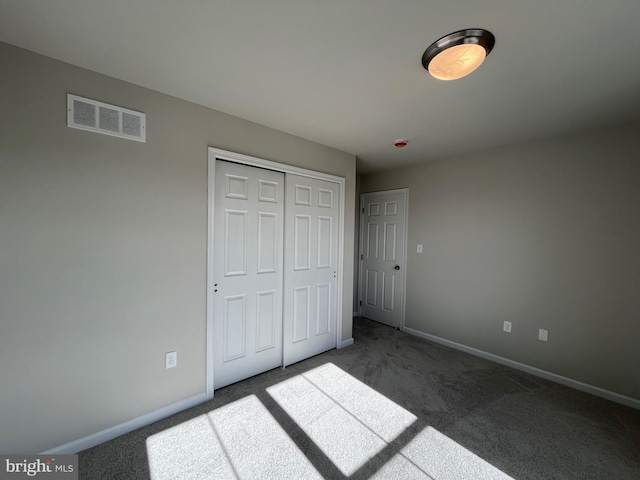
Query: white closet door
(311, 262)
(248, 234)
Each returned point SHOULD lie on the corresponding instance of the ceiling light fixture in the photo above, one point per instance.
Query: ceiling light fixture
(458, 54)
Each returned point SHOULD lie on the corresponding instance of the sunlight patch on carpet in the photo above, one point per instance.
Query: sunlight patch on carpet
(349, 421)
(433, 456)
(238, 441)
(443, 459)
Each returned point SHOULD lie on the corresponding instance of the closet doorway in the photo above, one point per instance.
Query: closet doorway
(274, 267)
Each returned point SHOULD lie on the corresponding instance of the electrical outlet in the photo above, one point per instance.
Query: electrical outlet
(171, 359)
(543, 335)
(506, 327)
(419, 248)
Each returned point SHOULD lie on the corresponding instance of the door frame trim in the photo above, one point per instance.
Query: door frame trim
(397, 191)
(215, 154)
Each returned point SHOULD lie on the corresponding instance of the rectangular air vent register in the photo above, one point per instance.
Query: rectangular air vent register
(99, 117)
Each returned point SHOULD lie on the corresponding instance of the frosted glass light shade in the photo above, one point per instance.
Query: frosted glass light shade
(457, 62)
(458, 54)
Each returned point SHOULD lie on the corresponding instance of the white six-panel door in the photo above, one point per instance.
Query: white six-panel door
(383, 253)
(311, 257)
(248, 278)
(275, 269)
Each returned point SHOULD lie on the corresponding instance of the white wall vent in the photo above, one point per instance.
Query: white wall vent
(99, 117)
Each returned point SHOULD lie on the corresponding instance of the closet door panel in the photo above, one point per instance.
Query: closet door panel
(248, 259)
(311, 263)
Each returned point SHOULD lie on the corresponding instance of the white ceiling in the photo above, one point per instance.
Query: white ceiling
(348, 73)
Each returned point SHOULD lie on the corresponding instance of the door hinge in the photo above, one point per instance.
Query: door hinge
(362, 209)
(360, 302)
(361, 257)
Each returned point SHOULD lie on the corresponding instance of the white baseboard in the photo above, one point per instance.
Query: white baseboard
(346, 343)
(569, 382)
(97, 438)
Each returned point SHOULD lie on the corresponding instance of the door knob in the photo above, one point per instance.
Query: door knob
(397, 267)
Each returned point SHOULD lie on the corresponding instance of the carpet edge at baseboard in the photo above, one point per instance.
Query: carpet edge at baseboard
(346, 343)
(569, 382)
(110, 433)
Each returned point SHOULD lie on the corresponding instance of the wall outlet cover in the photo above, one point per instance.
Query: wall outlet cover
(171, 359)
(506, 327)
(543, 335)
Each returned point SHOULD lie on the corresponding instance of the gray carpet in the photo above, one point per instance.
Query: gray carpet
(525, 427)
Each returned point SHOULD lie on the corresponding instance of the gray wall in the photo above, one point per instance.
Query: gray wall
(544, 235)
(103, 249)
